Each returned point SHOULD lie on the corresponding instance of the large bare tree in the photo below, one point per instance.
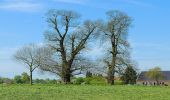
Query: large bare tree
(115, 31)
(29, 55)
(67, 38)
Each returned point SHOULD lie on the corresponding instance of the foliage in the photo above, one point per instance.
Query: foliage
(95, 80)
(25, 77)
(79, 80)
(130, 76)
(17, 79)
(119, 82)
(155, 74)
(6, 81)
(1, 80)
(45, 81)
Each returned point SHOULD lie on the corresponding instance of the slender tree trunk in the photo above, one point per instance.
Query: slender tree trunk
(111, 71)
(30, 77)
(110, 79)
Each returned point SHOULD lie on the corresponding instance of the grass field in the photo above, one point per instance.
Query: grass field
(85, 92)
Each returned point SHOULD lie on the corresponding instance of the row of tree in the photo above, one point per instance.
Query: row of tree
(68, 38)
(24, 78)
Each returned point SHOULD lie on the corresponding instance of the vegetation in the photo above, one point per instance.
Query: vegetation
(83, 92)
(63, 54)
(17, 79)
(130, 76)
(155, 74)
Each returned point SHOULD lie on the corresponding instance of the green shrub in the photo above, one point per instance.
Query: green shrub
(119, 82)
(17, 79)
(95, 80)
(25, 77)
(79, 80)
(88, 80)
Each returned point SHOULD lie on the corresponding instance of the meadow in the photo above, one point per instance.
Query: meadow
(83, 92)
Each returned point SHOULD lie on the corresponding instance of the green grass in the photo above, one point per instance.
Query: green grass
(82, 92)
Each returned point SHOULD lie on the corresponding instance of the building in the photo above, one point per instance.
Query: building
(144, 80)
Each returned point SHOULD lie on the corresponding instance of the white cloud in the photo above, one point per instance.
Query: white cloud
(19, 5)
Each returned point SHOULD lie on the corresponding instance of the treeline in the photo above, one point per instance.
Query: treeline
(24, 78)
(67, 40)
(129, 77)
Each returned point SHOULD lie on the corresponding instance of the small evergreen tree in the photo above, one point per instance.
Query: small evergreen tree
(130, 76)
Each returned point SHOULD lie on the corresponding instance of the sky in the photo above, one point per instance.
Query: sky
(23, 22)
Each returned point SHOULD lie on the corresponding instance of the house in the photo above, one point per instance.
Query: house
(144, 80)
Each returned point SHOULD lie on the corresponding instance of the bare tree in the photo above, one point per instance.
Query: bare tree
(67, 39)
(115, 32)
(29, 56)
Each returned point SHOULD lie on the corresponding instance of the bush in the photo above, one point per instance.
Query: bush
(25, 77)
(95, 80)
(118, 82)
(17, 79)
(88, 80)
(79, 80)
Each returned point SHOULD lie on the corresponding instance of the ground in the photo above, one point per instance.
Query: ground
(83, 92)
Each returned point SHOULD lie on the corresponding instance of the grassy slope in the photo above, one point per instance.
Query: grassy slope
(53, 92)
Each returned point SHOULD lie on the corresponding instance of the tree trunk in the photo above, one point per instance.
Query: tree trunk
(66, 74)
(67, 79)
(110, 77)
(157, 82)
(30, 77)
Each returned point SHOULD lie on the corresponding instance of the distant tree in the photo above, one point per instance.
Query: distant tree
(29, 55)
(7, 81)
(37, 80)
(17, 79)
(45, 81)
(53, 81)
(25, 77)
(67, 38)
(155, 74)
(130, 75)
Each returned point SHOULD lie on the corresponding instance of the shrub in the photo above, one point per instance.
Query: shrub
(79, 80)
(118, 82)
(17, 79)
(25, 77)
(95, 80)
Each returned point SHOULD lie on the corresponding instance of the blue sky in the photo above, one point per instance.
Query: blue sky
(23, 22)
